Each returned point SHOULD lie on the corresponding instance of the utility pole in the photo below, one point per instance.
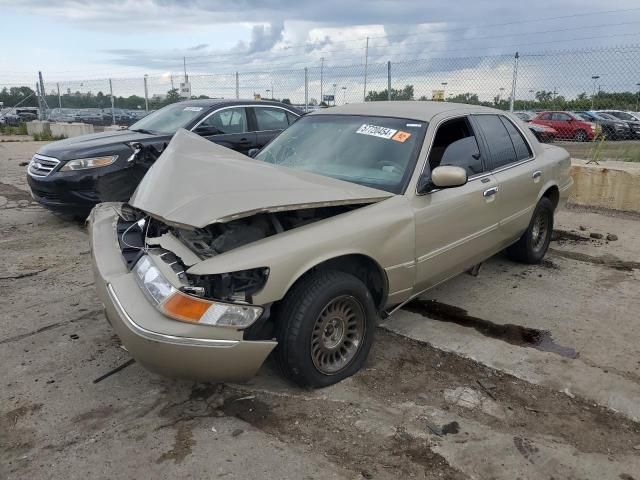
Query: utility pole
(321, 78)
(171, 77)
(237, 85)
(113, 109)
(513, 83)
(389, 80)
(146, 94)
(184, 62)
(59, 98)
(366, 65)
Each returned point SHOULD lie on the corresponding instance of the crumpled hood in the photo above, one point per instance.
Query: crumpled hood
(196, 183)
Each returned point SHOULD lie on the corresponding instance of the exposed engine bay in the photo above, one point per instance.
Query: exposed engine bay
(139, 233)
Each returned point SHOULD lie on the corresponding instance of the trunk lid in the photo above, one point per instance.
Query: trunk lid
(196, 183)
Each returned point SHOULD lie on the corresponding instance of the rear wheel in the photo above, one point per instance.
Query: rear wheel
(580, 136)
(534, 242)
(325, 329)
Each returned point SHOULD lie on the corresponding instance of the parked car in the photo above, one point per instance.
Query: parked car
(567, 125)
(9, 117)
(525, 115)
(63, 115)
(218, 259)
(611, 127)
(89, 115)
(71, 176)
(629, 118)
(543, 133)
(122, 117)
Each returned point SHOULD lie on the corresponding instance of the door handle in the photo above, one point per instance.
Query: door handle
(536, 175)
(244, 141)
(490, 191)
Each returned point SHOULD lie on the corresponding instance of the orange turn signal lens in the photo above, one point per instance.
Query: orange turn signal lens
(185, 307)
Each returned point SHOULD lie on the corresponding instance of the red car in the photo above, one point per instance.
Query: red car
(567, 125)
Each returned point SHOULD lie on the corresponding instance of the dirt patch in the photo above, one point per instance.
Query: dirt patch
(14, 194)
(606, 260)
(182, 445)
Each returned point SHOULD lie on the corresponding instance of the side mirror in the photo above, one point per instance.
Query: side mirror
(446, 176)
(206, 131)
(253, 152)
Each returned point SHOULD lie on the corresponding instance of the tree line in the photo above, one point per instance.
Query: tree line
(542, 99)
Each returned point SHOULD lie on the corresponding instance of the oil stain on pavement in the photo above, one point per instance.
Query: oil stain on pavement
(510, 333)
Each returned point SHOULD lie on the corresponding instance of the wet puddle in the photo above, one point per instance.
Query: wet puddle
(512, 334)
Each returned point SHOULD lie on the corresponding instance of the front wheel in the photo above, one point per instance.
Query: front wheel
(325, 329)
(534, 242)
(580, 136)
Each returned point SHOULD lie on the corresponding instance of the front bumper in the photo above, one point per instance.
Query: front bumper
(161, 344)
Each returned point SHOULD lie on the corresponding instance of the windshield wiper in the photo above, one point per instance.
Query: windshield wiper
(143, 130)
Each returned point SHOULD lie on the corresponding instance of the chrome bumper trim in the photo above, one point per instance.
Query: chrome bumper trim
(161, 337)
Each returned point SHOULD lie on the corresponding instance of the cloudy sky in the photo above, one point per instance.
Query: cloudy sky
(90, 39)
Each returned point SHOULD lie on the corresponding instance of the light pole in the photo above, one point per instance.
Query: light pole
(334, 94)
(593, 97)
(344, 95)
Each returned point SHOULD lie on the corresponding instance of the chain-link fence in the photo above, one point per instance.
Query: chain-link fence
(571, 79)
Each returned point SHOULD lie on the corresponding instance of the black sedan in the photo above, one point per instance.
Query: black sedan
(612, 128)
(71, 176)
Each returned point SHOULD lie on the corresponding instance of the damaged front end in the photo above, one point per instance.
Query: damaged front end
(163, 262)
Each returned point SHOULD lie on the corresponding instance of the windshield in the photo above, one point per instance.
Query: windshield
(378, 152)
(169, 119)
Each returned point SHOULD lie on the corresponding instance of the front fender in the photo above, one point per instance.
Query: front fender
(383, 231)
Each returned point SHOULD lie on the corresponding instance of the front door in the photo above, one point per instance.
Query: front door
(455, 227)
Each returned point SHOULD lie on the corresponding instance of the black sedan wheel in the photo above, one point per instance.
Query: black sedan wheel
(325, 328)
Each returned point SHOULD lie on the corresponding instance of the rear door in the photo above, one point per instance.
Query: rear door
(513, 165)
(455, 227)
(229, 127)
(270, 121)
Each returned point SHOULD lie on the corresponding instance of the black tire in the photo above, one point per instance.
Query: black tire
(299, 323)
(580, 136)
(533, 244)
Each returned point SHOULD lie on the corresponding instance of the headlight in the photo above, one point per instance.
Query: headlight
(84, 163)
(179, 306)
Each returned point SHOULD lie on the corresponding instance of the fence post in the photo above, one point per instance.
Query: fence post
(59, 98)
(113, 111)
(513, 83)
(366, 65)
(42, 101)
(389, 80)
(321, 78)
(146, 94)
(306, 89)
(237, 86)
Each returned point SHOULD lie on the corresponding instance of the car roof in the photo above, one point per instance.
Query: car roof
(228, 102)
(413, 109)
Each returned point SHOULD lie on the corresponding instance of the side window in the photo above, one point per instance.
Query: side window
(229, 120)
(545, 116)
(519, 143)
(291, 118)
(498, 140)
(561, 117)
(271, 118)
(455, 144)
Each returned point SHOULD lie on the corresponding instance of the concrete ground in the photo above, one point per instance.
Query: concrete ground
(515, 373)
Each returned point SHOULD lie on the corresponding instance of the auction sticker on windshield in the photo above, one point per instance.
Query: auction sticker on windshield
(376, 131)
